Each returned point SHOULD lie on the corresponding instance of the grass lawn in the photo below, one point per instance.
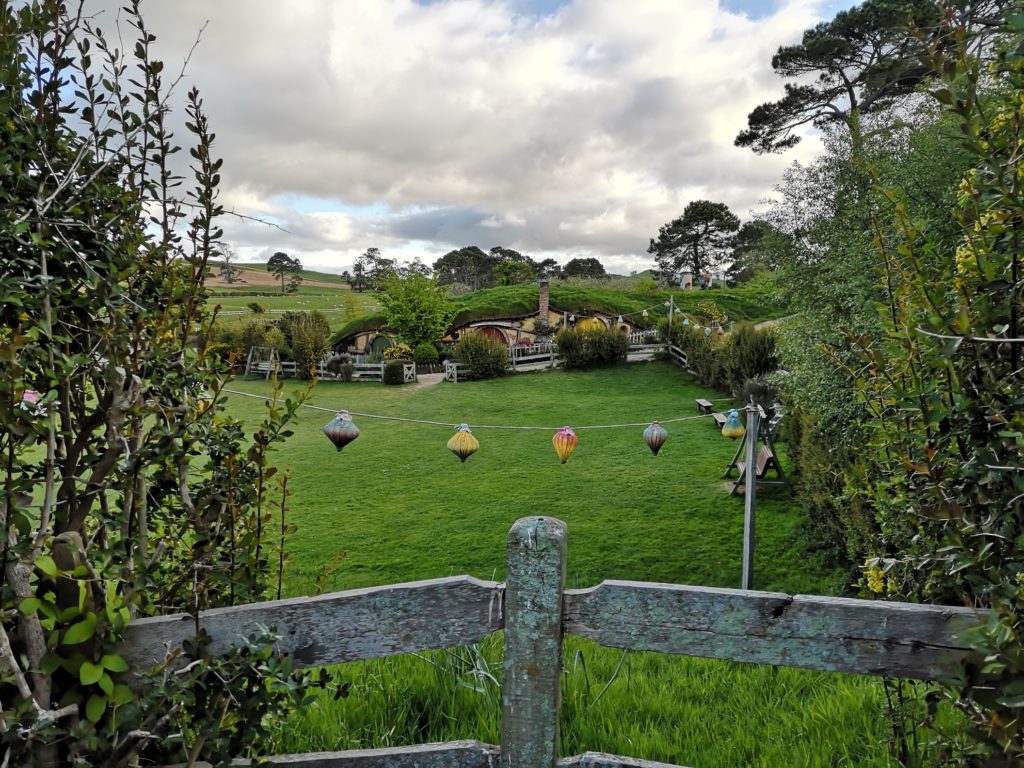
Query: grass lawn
(403, 508)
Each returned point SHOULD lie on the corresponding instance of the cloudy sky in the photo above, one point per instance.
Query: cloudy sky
(558, 128)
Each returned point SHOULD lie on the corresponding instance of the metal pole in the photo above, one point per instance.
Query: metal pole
(671, 310)
(749, 500)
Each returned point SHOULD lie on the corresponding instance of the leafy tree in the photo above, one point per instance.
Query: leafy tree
(469, 266)
(109, 394)
(283, 266)
(751, 252)
(417, 308)
(548, 268)
(511, 272)
(861, 61)
(698, 240)
(588, 267)
(371, 269)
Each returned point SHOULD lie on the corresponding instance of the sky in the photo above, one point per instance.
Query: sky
(559, 128)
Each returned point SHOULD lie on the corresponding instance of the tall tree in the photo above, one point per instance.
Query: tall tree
(469, 266)
(588, 267)
(860, 61)
(699, 239)
(284, 267)
(228, 270)
(510, 272)
(371, 269)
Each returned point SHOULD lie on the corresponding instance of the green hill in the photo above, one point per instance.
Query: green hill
(740, 304)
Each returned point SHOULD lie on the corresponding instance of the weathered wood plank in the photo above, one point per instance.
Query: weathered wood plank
(827, 633)
(342, 626)
(452, 754)
(531, 693)
(601, 760)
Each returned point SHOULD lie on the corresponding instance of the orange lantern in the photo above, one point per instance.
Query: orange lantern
(565, 442)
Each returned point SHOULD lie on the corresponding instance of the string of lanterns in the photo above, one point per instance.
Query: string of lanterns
(341, 430)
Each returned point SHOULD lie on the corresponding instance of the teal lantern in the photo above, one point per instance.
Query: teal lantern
(732, 427)
(340, 430)
(707, 331)
(686, 321)
(655, 437)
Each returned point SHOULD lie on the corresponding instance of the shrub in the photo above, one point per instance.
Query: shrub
(398, 352)
(239, 339)
(309, 341)
(485, 357)
(748, 354)
(341, 366)
(394, 372)
(591, 348)
(425, 354)
(256, 308)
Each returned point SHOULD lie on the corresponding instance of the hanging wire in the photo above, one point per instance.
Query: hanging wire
(454, 424)
(979, 339)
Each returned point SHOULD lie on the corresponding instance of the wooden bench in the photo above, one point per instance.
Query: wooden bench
(764, 456)
(719, 420)
(704, 406)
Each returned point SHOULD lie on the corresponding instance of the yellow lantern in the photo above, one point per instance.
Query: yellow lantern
(565, 442)
(462, 443)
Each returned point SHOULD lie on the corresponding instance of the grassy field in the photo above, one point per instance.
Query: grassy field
(396, 505)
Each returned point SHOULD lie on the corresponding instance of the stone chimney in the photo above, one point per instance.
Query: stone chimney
(544, 301)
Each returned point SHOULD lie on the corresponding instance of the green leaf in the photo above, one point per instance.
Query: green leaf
(122, 695)
(114, 663)
(82, 631)
(30, 605)
(90, 673)
(95, 707)
(45, 564)
(106, 683)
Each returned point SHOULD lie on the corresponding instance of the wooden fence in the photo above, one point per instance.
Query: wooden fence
(535, 611)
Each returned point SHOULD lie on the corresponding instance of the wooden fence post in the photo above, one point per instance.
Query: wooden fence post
(531, 693)
(750, 496)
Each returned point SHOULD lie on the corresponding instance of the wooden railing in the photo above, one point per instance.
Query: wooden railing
(536, 611)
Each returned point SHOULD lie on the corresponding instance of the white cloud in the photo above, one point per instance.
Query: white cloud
(466, 122)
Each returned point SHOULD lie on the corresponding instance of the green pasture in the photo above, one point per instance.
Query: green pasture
(395, 506)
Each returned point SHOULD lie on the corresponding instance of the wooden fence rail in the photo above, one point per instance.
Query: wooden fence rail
(536, 611)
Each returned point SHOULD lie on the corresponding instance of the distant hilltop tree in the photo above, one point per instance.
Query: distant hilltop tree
(284, 267)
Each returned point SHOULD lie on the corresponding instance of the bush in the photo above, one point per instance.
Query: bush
(398, 352)
(485, 357)
(394, 372)
(341, 366)
(748, 354)
(592, 348)
(425, 354)
(237, 340)
(256, 308)
(310, 333)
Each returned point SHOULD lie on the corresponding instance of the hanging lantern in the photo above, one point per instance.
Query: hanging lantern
(686, 321)
(572, 318)
(707, 331)
(462, 443)
(644, 314)
(655, 437)
(620, 318)
(565, 441)
(340, 430)
(732, 427)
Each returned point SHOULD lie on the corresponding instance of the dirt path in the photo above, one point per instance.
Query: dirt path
(425, 380)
